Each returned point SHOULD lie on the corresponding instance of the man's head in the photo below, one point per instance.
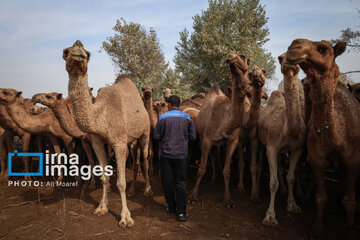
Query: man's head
(173, 101)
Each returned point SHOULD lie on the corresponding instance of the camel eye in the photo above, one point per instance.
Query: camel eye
(48, 97)
(5, 93)
(322, 49)
(242, 57)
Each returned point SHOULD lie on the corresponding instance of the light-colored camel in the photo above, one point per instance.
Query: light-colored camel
(189, 103)
(355, 90)
(42, 124)
(217, 115)
(63, 111)
(333, 127)
(167, 92)
(160, 107)
(281, 129)
(117, 117)
(193, 112)
(248, 130)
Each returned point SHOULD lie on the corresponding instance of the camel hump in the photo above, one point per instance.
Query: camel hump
(121, 77)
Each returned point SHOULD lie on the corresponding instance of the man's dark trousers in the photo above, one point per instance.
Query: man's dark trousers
(173, 175)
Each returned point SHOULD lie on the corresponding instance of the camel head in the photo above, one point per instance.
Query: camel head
(76, 58)
(318, 56)
(355, 90)
(238, 64)
(288, 69)
(9, 96)
(147, 92)
(47, 99)
(167, 92)
(257, 77)
(160, 107)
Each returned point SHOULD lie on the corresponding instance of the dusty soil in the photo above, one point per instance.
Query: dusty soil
(66, 213)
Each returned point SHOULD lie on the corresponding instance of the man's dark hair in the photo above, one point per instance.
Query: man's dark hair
(174, 100)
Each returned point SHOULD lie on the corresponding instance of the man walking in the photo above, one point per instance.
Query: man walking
(174, 129)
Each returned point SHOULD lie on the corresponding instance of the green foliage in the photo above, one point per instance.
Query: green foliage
(137, 53)
(352, 38)
(172, 81)
(226, 24)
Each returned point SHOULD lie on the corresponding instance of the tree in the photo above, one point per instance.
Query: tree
(172, 81)
(225, 25)
(137, 53)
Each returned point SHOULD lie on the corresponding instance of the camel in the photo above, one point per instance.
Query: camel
(167, 92)
(199, 97)
(355, 90)
(160, 108)
(63, 111)
(248, 130)
(193, 112)
(42, 124)
(117, 117)
(333, 130)
(281, 129)
(189, 103)
(218, 114)
(147, 93)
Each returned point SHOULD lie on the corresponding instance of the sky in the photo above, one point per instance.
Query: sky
(33, 34)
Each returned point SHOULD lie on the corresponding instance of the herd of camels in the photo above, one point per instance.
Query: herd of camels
(325, 125)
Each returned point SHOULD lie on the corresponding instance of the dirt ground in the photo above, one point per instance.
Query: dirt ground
(66, 213)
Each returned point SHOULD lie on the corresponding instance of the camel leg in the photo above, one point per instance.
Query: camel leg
(99, 147)
(241, 166)
(55, 143)
(349, 199)
(90, 158)
(3, 154)
(291, 204)
(318, 167)
(213, 165)
(254, 168)
(230, 149)
(144, 145)
(281, 170)
(270, 219)
(138, 152)
(135, 165)
(26, 145)
(205, 149)
(260, 165)
(39, 148)
(120, 155)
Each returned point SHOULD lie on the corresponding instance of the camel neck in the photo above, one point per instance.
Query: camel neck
(82, 102)
(322, 92)
(5, 120)
(237, 100)
(254, 108)
(63, 112)
(292, 102)
(24, 120)
(148, 103)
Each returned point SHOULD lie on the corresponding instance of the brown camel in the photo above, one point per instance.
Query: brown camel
(333, 130)
(199, 97)
(167, 92)
(42, 124)
(12, 129)
(355, 90)
(160, 108)
(148, 103)
(117, 117)
(63, 111)
(189, 103)
(193, 112)
(217, 115)
(281, 129)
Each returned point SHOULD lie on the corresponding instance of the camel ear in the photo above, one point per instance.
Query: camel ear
(280, 58)
(248, 62)
(163, 91)
(339, 48)
(18, 94)
(91, 89)
(142, 89)
(88, 55)
(59, 96)
(65, 53)
(350, 87)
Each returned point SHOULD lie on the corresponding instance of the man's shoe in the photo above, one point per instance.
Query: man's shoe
(169, 212)
(183, 217)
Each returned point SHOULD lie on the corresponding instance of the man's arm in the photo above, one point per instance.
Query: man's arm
(191, 131)
(157, 132)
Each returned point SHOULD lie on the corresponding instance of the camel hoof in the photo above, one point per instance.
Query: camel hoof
(270, 220)
(293, 208)
(126, 222)
(148, 192)
(100, 210)
(131, 192)
(240, 191)
(228, 203)
(255, 198)
(192, 198)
